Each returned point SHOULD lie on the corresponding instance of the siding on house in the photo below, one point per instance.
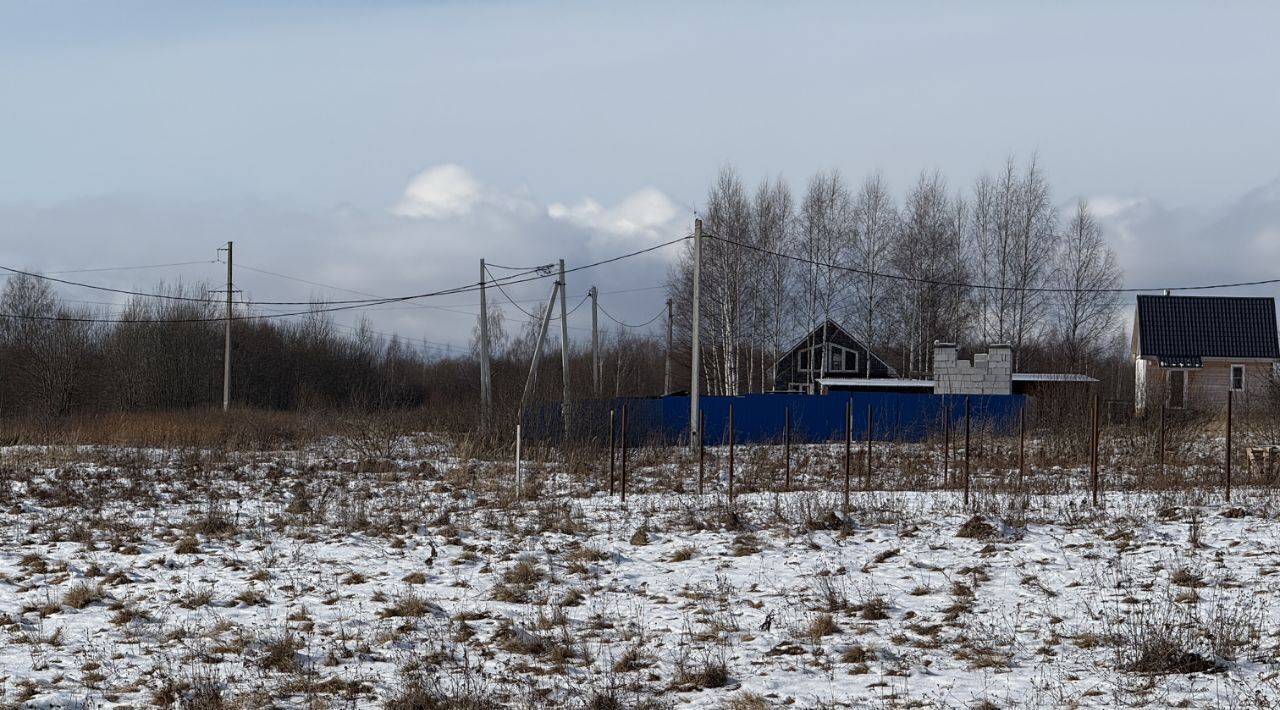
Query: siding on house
(1206, 387)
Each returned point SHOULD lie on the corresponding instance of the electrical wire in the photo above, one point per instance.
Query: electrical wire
(628, 325)
(988, 287)
(132, 268)
(331, 308)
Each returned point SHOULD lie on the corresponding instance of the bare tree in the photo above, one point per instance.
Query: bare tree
(826, 226)
(774, 224)
(1085, 309)
(930, 252)
(875, 231)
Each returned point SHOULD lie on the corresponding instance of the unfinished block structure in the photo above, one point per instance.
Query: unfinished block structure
(988, 373)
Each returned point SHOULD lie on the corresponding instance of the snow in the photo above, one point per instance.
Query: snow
(320, 581)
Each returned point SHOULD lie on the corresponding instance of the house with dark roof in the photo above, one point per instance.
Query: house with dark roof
(1189, 351)
(827, 351)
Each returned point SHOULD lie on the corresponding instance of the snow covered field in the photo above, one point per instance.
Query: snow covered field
(301, 579)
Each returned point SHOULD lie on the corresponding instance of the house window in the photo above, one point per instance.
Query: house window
(843, 359)
(811, 359)
(1237, 378)
(1177, 383)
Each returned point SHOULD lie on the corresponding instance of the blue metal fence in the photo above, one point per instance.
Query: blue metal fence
(759, 418)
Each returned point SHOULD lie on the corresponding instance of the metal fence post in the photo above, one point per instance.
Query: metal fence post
(1229, 401)
(848, 449)
(786, 448)
(624, 453)
(730, 453)
(966, 452)
(867, 473)
(612, 448)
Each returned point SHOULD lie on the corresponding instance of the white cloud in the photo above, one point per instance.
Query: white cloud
(644, 213)
(440, 192)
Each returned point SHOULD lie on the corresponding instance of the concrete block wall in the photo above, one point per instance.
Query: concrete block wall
(988, 373)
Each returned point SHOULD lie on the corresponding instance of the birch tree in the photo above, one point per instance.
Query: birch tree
(875, 229)
(1084, 310)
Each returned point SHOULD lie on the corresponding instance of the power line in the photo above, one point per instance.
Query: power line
(132, 268)
(988, 287)
(305, 281)
(341, 305)
(628, 325)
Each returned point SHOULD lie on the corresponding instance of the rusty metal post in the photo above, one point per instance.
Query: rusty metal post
(946, 443)
(1093, 451)
(702, 449)
(1229, 401)
(730, 453)
(966, 452)
(612, 446)
(624, 453)
(848, 449)
(1162, 444)
(1022, 444)
(867, 473)
(786, 448)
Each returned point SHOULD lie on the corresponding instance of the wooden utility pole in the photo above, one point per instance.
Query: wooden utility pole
(695, 426)
(537, 351)
(595, 344)
(486, 382)
(666, 379)
(564, 354)
(226, 353)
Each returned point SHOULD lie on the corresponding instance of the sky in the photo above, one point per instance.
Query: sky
(385, 147)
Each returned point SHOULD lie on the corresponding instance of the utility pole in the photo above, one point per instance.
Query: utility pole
(486, 381)
(695, 431)
(564, 352)
(666, 379)
(537, 351)
(226, 354)
(595, 345)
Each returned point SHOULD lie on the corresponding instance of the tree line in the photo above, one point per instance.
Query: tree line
(999, 263)
(59, 358)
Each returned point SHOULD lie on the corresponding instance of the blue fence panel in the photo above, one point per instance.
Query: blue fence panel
(759, 418)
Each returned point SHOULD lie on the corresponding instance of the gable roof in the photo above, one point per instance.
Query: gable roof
(1194, 327)
(832, 327)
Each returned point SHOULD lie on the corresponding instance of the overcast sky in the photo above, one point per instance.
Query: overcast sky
(385, 147)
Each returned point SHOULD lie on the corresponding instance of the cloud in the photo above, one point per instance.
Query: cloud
(1166, 246)
(440, 192)
(645, 213)
(445, 221)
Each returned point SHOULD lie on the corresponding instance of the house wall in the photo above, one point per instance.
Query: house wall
(788, 375)
(1206, 386)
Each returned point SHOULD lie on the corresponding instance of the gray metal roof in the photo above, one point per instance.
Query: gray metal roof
(1175, 328)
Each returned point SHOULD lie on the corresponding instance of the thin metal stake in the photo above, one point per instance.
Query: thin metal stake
(702, 449)
(867, 473)
(612, 447)
(848, 450)
(786, 447)
(1229, 400)
(966, 452)
(624, 453)
(731, 453)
